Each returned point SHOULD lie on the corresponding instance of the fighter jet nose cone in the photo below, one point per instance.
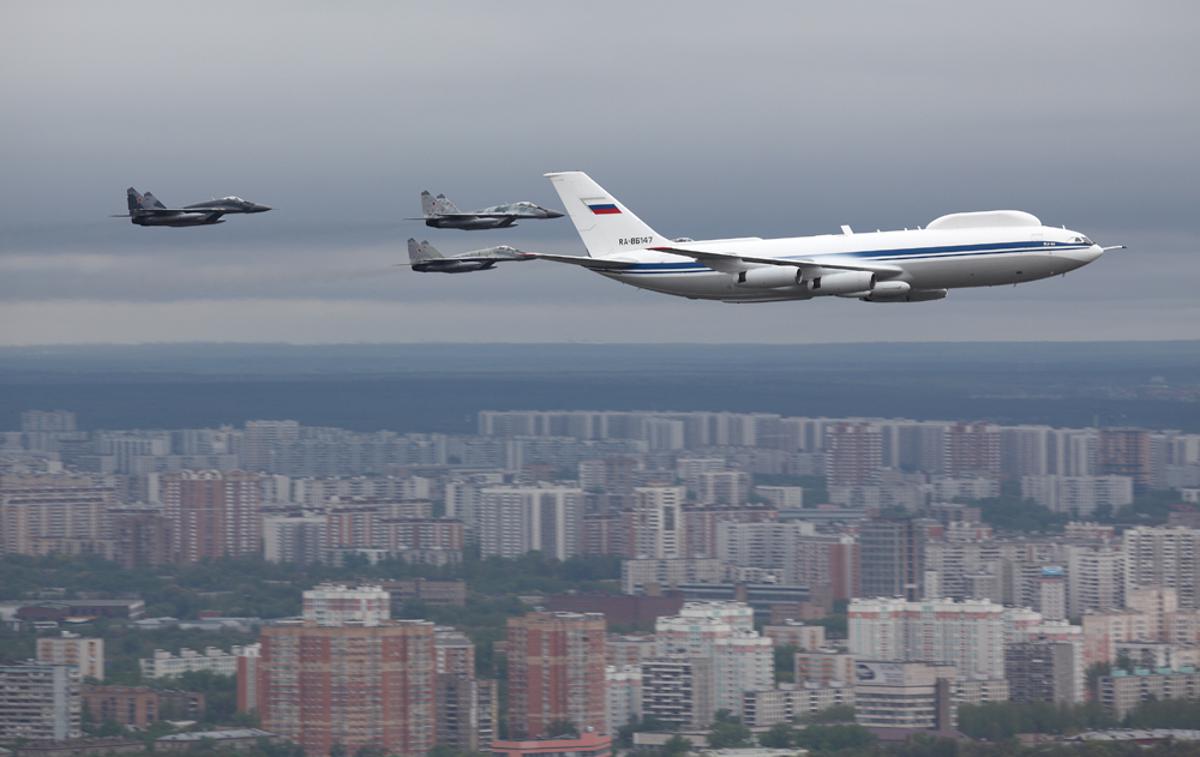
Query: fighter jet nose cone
(262, 208)
(554, 214)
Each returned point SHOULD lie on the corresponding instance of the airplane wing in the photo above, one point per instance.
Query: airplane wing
(596, 264)
(731, 261)
(466, 259)
(461, 216)
(475, 215)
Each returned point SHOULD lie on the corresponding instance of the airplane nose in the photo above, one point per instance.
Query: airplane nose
(554, 213)
(261, 208)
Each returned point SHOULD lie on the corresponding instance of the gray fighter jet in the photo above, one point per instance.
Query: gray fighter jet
(440, 213)
(146, 210)
(425, 258)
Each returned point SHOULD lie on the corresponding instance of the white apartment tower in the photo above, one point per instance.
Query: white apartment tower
(514, 520)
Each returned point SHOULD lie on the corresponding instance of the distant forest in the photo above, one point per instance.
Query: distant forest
(441, 387)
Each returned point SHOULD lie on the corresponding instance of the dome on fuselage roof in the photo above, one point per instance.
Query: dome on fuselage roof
(984, 219)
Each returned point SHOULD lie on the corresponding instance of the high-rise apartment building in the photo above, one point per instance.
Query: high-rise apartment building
(141, 536)
(42, 515)
(1095, 578)
(84, 654)
(39, 702)
(340, 605)
(654, 523)
(623, 690)
(353, 685)
(854, 453)
(456, 704)
(968, 635)
(1163, 556)
(724, 487)
(1078, 495)
(294, 538)
(213, 514)
(514, 520)
(722, 635)
(263, 443)
(1043, 671)
(676, 690)
(743, 661)
(556, 672)
(891, 555)
(972, 449)
(1125, 452)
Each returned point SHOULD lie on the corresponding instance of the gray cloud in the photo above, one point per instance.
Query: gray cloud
(711, 120)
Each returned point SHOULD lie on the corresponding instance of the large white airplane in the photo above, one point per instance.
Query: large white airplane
(984, 248)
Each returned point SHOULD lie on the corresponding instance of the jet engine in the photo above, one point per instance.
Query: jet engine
(769, 277)
(902, 294)
(843, 282)
(886, 291)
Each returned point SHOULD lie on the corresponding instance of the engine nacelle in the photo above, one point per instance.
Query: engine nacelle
(885, 291)
(769, 277)
(842, 282)
(913, 295)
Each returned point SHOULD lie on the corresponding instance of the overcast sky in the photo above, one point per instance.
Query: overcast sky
(708, 119)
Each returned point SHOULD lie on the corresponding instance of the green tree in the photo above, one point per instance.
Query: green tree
(728, 732)
(778, 736)
(831, 738)
(676, 746)
(785, 663)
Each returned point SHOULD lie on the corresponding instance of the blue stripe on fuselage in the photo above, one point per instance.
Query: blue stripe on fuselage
(909, 253)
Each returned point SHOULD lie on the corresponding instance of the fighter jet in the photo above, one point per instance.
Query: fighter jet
(426, 259)
(147, 210)
(441, 213)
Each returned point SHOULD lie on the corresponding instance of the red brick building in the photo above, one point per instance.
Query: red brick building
(213, 514)
(139, 706)
(556, 672)
(351, 685)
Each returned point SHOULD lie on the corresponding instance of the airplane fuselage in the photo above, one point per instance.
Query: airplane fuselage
(180, 219)
(930, 261)
(470, 224)
(448, 265)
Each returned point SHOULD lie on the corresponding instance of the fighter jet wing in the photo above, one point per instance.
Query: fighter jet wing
(731, 260)
(467, 259)
(476, 215)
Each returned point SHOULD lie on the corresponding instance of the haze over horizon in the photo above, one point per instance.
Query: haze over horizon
(705, 120)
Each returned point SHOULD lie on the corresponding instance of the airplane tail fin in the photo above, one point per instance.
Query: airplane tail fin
(427, 206)
(442, 204)
(134, 199)
(419, 252)
(605, 225)
(150, 201)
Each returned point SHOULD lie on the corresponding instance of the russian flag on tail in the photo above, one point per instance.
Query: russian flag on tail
(602, 206)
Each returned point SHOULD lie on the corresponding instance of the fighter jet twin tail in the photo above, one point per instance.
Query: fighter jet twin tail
(983, 248)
